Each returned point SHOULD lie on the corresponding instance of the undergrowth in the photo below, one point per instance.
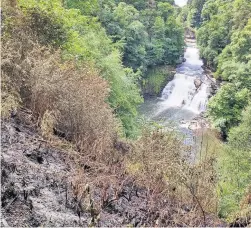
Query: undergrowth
(158, 162)
(72, 95)
(232, 164)
(69, 98)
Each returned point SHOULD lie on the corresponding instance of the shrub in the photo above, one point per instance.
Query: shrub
(75, 95)
(158, 162)
(234, 167)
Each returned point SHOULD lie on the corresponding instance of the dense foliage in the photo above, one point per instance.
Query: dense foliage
(122, 39)
(145, 31)
(235, 171)
(224, 37)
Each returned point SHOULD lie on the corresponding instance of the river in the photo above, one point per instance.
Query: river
(180, 2)
(181, 103)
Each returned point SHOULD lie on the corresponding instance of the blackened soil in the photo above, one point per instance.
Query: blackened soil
(37, 190)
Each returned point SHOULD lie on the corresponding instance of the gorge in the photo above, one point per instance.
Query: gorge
(76, 150)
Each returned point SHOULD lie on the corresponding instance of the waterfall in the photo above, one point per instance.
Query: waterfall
(181, 92)
(181, 100)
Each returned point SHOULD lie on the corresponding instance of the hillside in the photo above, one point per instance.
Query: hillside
(45, 185)
(74, 149)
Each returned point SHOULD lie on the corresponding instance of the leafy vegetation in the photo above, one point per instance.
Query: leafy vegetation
(224, 37)
(78, 29)
(147, 33)
(235, 171)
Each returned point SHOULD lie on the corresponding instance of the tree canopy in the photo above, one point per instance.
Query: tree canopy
(224, 38)
(223, 30)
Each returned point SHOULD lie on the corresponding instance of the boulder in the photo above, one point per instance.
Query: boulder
(197, 83)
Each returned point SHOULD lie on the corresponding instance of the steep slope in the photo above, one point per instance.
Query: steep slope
(38, 186)
(43, 185)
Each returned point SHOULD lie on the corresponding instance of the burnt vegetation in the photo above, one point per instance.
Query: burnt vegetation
(64, 159)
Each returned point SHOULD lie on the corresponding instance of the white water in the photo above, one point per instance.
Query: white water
(180, 100)
(181, 91)
(180, 2)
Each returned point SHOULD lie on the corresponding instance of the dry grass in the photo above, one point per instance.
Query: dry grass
(190, 189)
(10, 99)
(242, 218)
(73, 96)
(71, 99)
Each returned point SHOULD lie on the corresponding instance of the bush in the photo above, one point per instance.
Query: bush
(74, 95)
(226, 106)
(158, 161)
(235, 169)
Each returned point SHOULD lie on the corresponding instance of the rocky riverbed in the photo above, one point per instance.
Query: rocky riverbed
(201, 121)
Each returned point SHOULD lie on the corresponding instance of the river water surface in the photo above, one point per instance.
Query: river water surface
(181, 102)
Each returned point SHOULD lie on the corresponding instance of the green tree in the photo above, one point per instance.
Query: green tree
(125, 14)
(165, 9)
(87, 7)
(135, 48)
(226, 106)
(234, 167)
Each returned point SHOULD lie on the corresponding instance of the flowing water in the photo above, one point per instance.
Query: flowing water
(181, 102)
(180, 2)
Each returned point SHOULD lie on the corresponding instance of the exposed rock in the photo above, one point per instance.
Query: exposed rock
(199, 122)
(197, 83)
